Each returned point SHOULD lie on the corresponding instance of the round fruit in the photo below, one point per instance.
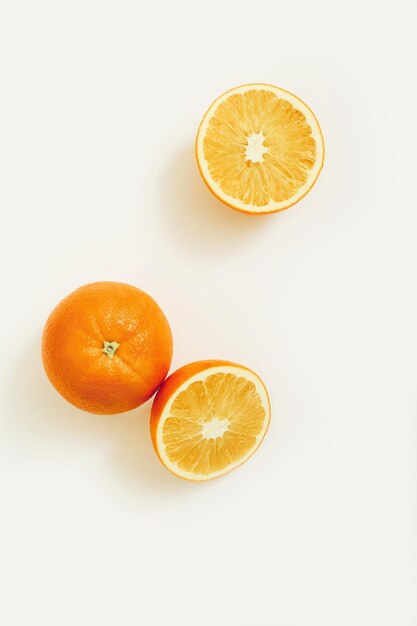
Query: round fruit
(259, 148)
(209, 417)
(107, 347)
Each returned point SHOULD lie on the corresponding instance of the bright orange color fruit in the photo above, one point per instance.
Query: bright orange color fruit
(107, 347)
(209, 417)
(259, 148)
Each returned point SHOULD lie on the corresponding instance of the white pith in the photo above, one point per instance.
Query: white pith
(255, 149)
(315, 133)
(214, 428)
(223, 369)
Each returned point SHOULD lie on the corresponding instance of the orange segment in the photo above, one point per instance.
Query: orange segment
(208, 418)
(259, 148)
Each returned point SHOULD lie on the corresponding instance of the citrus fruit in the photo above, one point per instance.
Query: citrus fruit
(107, 347)
(259, 148)
(209, 417)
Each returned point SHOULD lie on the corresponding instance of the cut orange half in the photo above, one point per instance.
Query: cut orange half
(259, 148)
(208, 418)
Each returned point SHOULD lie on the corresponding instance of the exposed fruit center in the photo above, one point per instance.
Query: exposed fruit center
(110, 348)
(212, 423)
(214, 428)
(259, 148)
(255, 148)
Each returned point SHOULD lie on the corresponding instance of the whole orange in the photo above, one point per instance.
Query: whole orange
(107, 347)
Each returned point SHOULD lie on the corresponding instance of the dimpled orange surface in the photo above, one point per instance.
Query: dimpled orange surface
(208, 418)
(107, 347)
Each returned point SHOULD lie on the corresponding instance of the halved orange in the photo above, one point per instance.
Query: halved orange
(209, 417)
(259, 148)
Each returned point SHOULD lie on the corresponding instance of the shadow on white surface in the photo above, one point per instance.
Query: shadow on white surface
(199, 222)
(46, 418)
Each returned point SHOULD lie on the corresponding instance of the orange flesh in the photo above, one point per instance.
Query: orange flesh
(286, 149)
(213, 423)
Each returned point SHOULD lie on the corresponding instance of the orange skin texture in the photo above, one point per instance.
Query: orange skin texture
(169, 388)
(74, 336)
(229, 204)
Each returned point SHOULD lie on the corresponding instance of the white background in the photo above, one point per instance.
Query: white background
(99, 106)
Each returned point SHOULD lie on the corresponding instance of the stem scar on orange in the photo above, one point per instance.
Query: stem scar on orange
(107, 347)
